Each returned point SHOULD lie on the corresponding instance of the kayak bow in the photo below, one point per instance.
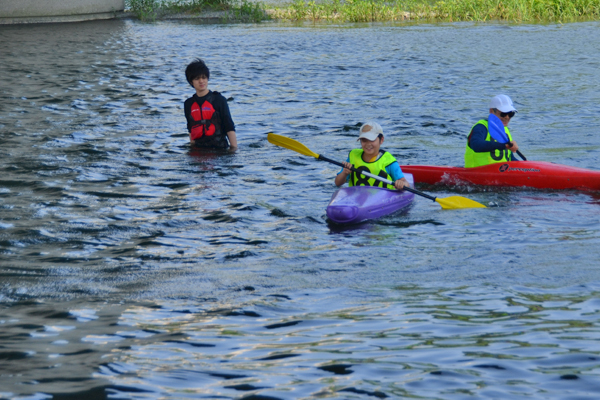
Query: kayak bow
(354, 204)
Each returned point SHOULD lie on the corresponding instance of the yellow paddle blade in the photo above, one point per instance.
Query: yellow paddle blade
(456, 202)
(291, 144)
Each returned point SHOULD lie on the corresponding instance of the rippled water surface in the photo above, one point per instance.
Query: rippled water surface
(133, 267)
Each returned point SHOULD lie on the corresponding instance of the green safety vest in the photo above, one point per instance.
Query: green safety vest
(376, 167)
(473, 159)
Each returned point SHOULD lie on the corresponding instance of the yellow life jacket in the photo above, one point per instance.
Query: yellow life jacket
(376, 167)
(473, 159)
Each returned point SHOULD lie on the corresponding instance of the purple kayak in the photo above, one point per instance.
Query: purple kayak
(350, 205)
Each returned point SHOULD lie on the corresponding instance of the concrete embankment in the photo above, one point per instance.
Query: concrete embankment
(41, 11)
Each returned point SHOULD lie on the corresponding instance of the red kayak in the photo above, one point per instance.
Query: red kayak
(534, 174)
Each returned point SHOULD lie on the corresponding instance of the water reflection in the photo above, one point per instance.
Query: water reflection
(440, 341)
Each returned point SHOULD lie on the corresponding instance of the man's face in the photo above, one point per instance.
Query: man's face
(504, 117)
(200, 83)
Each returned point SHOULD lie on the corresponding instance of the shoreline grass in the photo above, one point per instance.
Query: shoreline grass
(518, 11)
(339, 11)
(235, 10)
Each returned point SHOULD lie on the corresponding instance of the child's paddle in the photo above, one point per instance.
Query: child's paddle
(449, 203)
(496, 129)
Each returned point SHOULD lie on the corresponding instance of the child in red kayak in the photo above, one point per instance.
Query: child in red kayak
(371, 158)
(207, 113)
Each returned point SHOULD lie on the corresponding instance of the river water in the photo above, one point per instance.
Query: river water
(136, 268)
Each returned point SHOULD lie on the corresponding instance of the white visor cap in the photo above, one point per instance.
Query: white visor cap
(502, 103)
(370, 131)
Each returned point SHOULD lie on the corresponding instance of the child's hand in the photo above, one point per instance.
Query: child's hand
(400, 184)
(347, 168)
(340, 178)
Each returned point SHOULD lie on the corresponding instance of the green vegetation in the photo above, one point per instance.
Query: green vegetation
(235, 10)
(378, 10)
(344, 11)
(518, 10)
(441, 10)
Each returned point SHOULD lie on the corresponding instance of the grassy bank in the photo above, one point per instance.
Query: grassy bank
(379, 10)
(233, 10)
(442, 10)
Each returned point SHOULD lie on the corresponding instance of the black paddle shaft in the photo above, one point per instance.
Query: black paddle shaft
(323, 158)
(518, 152)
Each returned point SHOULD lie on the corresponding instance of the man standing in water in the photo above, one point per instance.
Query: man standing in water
(208, 118)
(481, 148)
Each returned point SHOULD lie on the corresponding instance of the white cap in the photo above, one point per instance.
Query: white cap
(370, 131)
(503, 103)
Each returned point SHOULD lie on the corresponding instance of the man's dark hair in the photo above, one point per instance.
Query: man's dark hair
(195, 69)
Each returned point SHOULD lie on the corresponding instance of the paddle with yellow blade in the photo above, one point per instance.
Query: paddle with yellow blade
(448, 203)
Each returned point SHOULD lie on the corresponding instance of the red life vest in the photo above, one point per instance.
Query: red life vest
(202, 115)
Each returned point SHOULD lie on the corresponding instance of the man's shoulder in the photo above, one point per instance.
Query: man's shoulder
(480, 127)
(189, 99)
(217, 96)
(212, 97)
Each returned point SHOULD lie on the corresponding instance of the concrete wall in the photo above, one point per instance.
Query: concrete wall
(35, 11)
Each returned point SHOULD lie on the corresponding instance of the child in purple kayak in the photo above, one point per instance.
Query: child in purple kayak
(371, 158)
